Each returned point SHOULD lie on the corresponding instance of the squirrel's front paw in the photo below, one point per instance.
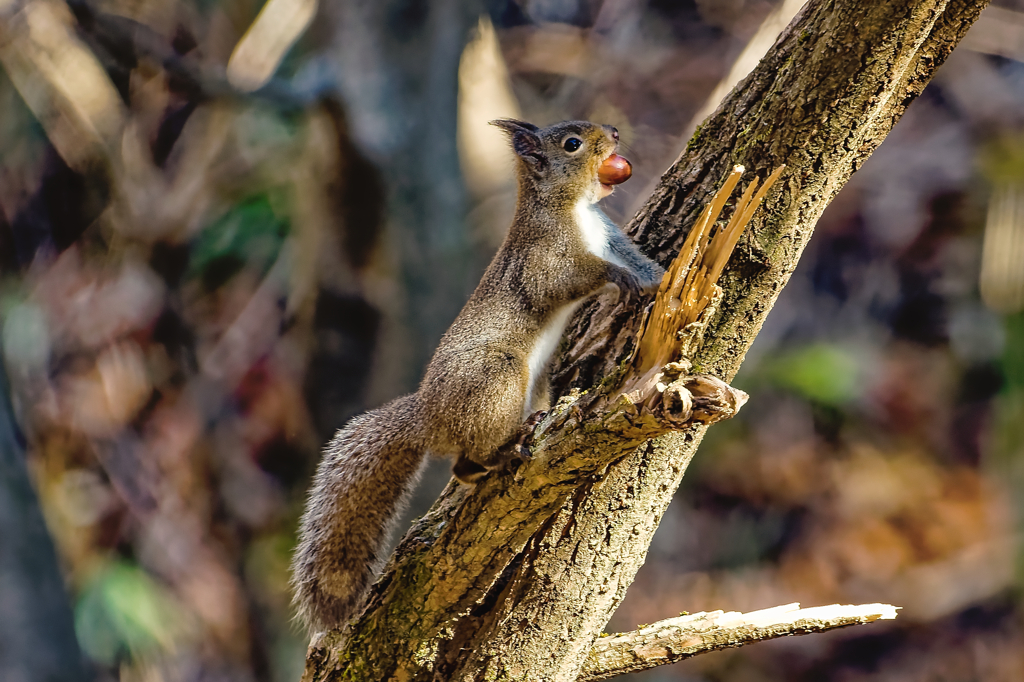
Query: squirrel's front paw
(652, 285)
(651, 289)
(625, 282)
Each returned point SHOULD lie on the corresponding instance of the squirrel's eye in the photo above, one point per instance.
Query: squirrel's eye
(572, 144)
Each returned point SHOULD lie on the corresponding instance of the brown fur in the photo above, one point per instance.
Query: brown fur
(473, 397)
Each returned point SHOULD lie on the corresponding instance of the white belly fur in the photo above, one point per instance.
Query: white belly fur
(594, 231)
(547, 341)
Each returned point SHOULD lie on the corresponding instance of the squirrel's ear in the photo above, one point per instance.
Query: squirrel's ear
(525, 142)
(510, 125)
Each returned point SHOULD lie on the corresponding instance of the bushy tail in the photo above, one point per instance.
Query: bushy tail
(361, 485)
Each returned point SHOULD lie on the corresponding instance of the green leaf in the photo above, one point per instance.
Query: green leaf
(122, 613)
(249, 235)
(824, 373)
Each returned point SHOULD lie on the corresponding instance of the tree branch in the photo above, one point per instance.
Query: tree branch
(488, 523)
(675, 639)
(514, 578)
(820, 102)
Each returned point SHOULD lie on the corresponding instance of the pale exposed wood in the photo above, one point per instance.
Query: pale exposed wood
(679, 638)
(681, 311)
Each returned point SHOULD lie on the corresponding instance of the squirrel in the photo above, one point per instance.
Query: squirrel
(489, 372)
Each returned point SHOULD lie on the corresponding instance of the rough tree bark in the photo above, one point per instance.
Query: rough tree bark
(515, 579)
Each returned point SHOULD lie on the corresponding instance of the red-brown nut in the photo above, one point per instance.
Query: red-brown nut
(615, 170)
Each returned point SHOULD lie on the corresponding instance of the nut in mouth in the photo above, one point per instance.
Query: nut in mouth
(613, 171)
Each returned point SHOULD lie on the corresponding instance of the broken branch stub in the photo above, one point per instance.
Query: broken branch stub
(689, 292)
(679, 638)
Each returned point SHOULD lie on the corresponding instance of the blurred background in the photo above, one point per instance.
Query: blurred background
(225, 227)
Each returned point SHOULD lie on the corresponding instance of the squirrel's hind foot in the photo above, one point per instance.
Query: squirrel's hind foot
(517, 450)
(524, 439)
(469, 472)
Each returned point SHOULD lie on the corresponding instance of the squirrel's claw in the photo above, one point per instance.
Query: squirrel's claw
(521, 448)
(522, 452)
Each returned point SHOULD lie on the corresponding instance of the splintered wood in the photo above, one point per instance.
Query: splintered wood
(690, 286)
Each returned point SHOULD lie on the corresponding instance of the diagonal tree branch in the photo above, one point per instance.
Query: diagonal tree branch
(515, 578)
(821, 101)
(676, 639)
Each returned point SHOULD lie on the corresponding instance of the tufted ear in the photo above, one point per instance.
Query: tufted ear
(511, 125)
(525, 142)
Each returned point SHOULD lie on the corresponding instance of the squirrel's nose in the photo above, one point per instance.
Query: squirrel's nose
(615, 134)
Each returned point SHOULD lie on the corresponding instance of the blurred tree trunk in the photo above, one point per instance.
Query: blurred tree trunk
(401, 108)
(515, 578)
(37, 634)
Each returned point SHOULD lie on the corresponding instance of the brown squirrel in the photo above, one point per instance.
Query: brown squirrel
(490, 371)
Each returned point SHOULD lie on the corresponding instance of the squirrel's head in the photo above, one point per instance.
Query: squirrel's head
(562, 160)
